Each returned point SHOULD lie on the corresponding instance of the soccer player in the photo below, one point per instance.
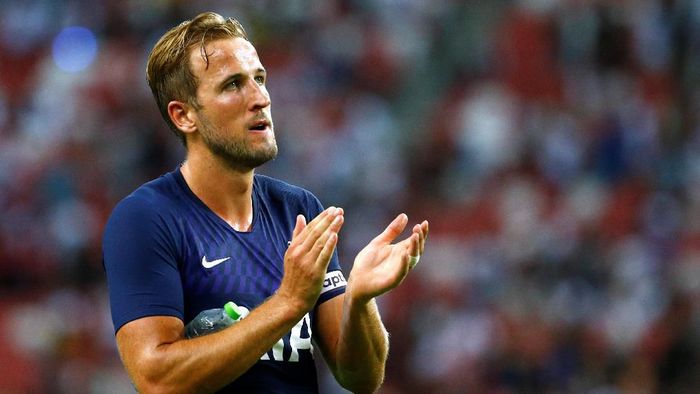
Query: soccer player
(213, 231)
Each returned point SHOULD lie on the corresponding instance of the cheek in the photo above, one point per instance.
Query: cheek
(230, 110)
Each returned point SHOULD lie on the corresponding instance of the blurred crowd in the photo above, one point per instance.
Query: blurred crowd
(554, 146)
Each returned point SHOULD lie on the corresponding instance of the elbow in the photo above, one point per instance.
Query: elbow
(153, 384)
(153, 375)
(150, 385)
(148, 379)
(362, 387)
(146, 384)
(360, 384)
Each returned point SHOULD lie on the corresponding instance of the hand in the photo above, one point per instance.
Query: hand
(381, 266)
(308, 255)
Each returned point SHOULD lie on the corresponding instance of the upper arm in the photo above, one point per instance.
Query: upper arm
(139, 256)
(140, 343)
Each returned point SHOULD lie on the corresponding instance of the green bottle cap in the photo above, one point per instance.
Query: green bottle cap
(230, 308)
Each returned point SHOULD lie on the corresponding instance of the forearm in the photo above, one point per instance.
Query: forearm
(209, 362)
(359, 345)
(362, 347)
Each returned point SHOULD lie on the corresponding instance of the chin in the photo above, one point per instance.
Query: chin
(250, 160)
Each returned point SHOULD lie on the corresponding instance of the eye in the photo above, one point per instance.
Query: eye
(233, 84)
(260, 80)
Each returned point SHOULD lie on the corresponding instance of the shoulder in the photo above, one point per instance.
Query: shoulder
(275, 188)
(148, 219)
(287, 197)
(148, 202)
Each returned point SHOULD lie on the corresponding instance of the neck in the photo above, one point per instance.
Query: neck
(226, 191)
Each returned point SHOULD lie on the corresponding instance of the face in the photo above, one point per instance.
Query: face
(234, 118)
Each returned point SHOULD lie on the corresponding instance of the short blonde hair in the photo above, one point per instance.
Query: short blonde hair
(168, 69)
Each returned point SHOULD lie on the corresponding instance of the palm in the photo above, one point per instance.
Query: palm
(381, 265)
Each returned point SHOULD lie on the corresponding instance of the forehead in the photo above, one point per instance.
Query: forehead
(226, 56)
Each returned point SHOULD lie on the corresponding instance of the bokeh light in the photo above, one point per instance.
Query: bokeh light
(74, 49)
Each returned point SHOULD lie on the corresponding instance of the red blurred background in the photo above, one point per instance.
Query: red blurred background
(552, 144)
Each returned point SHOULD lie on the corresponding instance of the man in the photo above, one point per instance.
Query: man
(212, 231)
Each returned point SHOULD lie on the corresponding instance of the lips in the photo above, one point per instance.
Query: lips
(259, 124)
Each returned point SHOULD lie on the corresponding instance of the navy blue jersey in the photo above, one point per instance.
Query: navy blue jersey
(167, 254)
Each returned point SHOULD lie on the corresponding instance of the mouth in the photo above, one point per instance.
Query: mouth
(260, 125)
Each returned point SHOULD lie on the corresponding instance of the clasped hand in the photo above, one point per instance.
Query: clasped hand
(379, 267)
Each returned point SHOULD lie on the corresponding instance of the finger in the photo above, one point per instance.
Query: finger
(414, 249)
(313, 234)
(421, 240)
(392, 230)
(422, 231)
(331, 231)
(425, 227)
(319, 253)
(337, 223)
(324, 257)
(321, 219)
(418, 229)
(409, 260)
(299, 226)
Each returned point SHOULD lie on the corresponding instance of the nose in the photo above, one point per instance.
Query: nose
(260, 98)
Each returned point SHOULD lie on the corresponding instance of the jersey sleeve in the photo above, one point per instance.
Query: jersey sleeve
(334, 282)
(139, 257)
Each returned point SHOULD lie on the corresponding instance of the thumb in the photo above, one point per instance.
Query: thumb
(392, 230)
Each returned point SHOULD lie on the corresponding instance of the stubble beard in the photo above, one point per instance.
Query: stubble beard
(237, 153)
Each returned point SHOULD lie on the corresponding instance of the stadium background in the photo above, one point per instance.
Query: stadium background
(553, 145)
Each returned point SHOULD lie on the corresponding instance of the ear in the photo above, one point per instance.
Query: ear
(183, 116)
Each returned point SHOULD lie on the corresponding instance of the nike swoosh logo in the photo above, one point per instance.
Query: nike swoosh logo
(213, 263)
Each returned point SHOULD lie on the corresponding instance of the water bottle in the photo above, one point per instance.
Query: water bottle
(213, 320)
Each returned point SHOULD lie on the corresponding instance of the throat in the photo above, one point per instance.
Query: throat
(244, 226)
(240, 218)
(229, 195)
